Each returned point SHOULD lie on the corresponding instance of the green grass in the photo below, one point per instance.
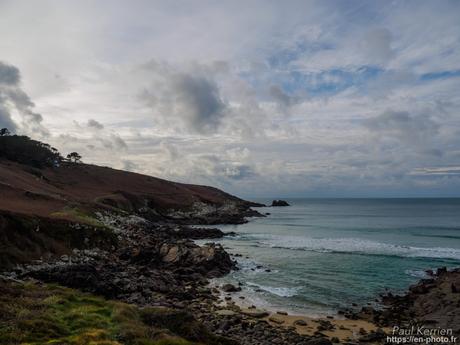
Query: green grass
(48, 314)
(76, 214)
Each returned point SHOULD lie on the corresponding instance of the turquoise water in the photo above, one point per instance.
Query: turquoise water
(325, 254)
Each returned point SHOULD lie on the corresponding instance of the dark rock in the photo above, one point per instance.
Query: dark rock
(373, 336)
(230, 288)
(431, 301)
(276, 320)
(277, 203)
(185, 232)
(319, 341)
(256, 313)
(300, 322)
(325, 325)
(441, 270)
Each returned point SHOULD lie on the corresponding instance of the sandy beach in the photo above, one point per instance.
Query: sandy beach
(335, 327)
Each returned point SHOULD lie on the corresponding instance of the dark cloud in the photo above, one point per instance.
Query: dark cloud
(404, 126)
(95, 124)
(200, 103)
(192, 97)
(12, 96)
(9, 75)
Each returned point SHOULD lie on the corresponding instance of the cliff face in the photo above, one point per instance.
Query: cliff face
(74, 191)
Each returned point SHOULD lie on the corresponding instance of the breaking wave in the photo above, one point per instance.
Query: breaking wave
(354, 245)
(278, 291)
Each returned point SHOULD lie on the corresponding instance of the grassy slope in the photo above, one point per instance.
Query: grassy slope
(49, 314)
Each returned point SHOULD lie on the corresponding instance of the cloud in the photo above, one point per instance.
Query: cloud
(112, 142)
(453, 170)
(404, 126)
(377, 45)
(5, 118)
(95, 124)
(219, 82)
(129, 165)
(14, 99)
(209, 165)
(198, 101)
(281, 97)
(193, 100)
(9, 75)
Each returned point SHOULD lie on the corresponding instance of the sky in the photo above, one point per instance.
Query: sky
(259, 98)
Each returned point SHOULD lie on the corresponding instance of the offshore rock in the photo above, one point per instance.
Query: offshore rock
(277, 203)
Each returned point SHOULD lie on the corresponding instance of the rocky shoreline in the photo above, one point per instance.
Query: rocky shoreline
(433, 301)
(157, 264)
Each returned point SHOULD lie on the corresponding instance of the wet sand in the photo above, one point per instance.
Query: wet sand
(332, 327)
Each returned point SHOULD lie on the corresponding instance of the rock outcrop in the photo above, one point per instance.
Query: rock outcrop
(276, 203)
(433, 301)
(150, 264)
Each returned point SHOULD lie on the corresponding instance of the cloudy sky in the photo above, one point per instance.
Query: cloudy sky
(261, 98)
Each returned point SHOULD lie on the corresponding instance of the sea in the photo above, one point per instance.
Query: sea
(318, 256)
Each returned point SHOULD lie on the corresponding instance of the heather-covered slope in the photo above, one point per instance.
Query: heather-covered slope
(74, 189)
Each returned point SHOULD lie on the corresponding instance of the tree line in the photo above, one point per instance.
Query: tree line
(22, 149)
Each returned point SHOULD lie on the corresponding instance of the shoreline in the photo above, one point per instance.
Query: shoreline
(368, 325)
(336, 328)
(161, 265)
(432, 303)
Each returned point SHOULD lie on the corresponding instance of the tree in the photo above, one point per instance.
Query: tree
(4, 132)
(22, 149)
(74, 157)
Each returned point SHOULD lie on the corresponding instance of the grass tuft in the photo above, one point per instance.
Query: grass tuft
(35, 314)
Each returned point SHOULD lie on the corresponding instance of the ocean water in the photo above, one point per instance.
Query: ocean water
(320, 255)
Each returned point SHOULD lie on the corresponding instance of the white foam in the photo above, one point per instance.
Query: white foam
(354, 245)
(420, 274)
(278, 291)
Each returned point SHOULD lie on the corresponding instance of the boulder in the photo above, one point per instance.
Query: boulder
(276, 320)
(300, 322)
(211, 259)
(225, 312)
(230, 288)
(255, 313)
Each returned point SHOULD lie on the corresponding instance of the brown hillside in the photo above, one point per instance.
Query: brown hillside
(48, 191)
